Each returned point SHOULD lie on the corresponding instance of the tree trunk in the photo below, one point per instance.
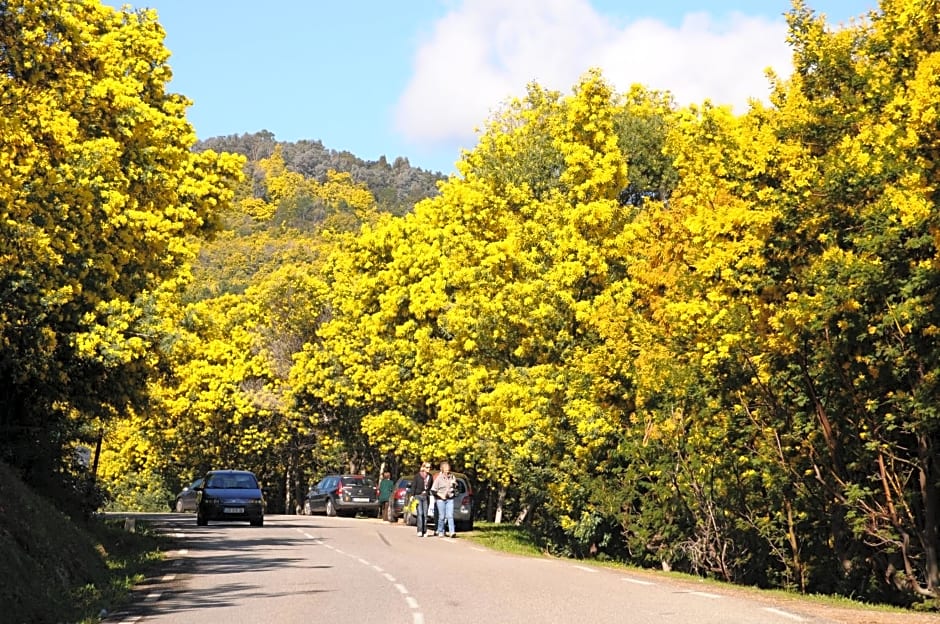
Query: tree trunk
(929, 493)
(500, 497)
(524, 514)
(796, 562)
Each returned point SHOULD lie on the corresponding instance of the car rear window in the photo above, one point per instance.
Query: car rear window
(366, 481)
(233, 482)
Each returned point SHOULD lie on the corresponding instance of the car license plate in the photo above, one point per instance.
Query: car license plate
(233, 510)
(360, 500)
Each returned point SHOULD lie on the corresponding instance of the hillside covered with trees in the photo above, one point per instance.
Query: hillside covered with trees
(675, 336)
(396, 186)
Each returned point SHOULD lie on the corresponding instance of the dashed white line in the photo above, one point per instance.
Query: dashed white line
(785, 614)
(153, 596)
(167, 578)
(183, 551)
(636, 581)
(416, 615)
(704, 594)
(585, 568)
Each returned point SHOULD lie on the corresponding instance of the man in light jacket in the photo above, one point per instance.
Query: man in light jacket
(444, 489)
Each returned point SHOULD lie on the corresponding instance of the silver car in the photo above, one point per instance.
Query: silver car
(186, 499)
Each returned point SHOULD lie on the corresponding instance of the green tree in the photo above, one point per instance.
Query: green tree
(855, 259)
(100, 196)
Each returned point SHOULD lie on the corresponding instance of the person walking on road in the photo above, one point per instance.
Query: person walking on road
(386, 485)
(421, 491)
(444, 489)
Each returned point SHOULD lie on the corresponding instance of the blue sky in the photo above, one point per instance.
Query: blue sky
(417, 78)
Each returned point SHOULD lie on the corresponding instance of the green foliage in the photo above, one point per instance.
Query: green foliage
(102, 200)
(138, 491)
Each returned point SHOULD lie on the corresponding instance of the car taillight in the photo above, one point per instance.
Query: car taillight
(339, 489)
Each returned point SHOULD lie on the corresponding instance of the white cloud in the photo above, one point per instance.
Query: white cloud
(486, 51)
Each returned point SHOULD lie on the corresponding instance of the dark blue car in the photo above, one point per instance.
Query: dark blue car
(230, 495)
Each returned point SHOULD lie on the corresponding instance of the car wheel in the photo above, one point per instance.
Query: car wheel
(179, 505)
(307, 510)
(201, 520)
(390, 515)
(330, 509)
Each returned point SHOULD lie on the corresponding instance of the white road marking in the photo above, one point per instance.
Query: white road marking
(167, 578)
(636, 581)
(180, 535)
(704, 594)
(183, 551)
(417, 616)
(478, 549)
(153, 596)
(585, 568)
(785, 614)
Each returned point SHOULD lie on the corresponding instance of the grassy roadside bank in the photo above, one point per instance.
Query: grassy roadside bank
(518, 540)
(57, 570)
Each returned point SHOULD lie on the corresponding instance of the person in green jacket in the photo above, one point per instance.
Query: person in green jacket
(386, 486)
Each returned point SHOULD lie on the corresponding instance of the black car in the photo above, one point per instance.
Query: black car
(186, 499)
(343, 495)
(230, 495)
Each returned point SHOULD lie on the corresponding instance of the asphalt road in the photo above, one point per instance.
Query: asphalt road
(358, 570)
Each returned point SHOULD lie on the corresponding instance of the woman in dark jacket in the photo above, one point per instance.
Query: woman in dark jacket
(421, 490)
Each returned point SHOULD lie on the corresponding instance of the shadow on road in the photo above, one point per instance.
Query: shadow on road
(220, 549)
